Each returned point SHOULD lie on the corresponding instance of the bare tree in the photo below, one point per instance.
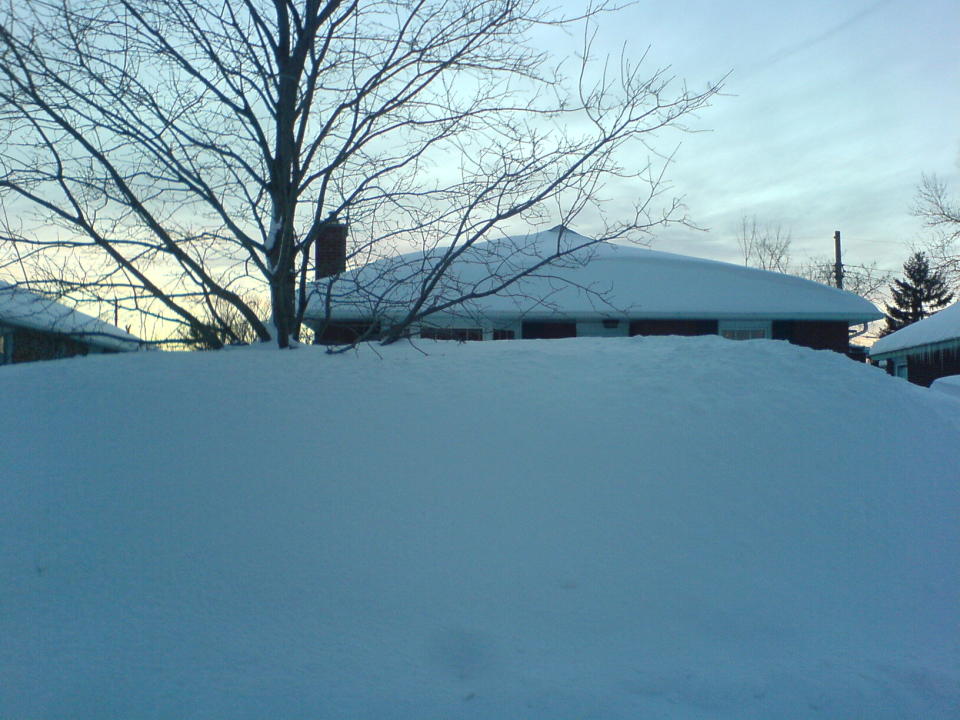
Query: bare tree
(941, 214)
(183, 150)
(935, 206)
(224, 321)
(868, 281)
(766, 247)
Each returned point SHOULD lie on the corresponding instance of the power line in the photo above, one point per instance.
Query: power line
(790, 50)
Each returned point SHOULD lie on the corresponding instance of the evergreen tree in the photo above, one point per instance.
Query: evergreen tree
(921, 293)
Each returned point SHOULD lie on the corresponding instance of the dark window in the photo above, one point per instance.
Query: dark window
(337, 333)
(611, 324)
(673, 327)
(743, 333)
(458, 334)
(504, 334)
(549, 330)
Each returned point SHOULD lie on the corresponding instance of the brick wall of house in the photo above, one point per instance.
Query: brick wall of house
(923, 369)
(29, 345)
(331, 250)
(819, 335)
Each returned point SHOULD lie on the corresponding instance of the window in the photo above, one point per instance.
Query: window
(548, 330)
(745, 329)
(6, 346)
(743, 333)
(459, 334)
(347, 333)
(504, 334)
(673, 327)
(611, 324)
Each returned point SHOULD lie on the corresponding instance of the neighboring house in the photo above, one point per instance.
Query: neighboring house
(33, 327)
(924, 351)
(607, 290)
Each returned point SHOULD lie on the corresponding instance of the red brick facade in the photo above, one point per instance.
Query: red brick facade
(29, 345)
(924, 368)
(819, 335)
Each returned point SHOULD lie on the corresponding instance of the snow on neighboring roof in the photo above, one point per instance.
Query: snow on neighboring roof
(942, 327)
(601, 280)
(22, 308)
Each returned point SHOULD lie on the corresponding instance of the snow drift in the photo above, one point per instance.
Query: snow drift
(638, 528)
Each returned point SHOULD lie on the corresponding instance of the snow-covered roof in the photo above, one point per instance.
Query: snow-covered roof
(601, 280)
(22, 308)
(942, 327)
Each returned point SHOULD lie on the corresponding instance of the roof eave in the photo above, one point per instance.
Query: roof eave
(353, 315)
(918, 349)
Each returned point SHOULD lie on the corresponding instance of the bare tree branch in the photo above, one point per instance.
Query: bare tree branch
(181, 157)
(941, 214)
(766, 247)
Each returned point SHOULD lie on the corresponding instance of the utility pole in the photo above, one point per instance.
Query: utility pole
(838, 265)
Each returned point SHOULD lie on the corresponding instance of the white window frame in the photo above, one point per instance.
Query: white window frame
(6, 346)
(745, 329)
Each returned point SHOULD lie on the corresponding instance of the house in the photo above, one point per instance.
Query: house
(603, 289)
(923, 351)
(33, 327)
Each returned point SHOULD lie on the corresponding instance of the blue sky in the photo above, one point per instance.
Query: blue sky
(832, 111)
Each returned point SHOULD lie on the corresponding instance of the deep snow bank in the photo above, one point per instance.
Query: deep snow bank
(643, 528)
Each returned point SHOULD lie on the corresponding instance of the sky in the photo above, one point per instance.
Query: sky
(830, 114)
(831, 111)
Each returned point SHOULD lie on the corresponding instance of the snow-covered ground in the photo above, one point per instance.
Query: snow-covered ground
(658, 528)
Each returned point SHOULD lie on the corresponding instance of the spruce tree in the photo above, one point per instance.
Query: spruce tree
(920, 294)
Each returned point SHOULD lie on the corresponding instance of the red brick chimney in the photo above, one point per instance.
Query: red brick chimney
(331, 249)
